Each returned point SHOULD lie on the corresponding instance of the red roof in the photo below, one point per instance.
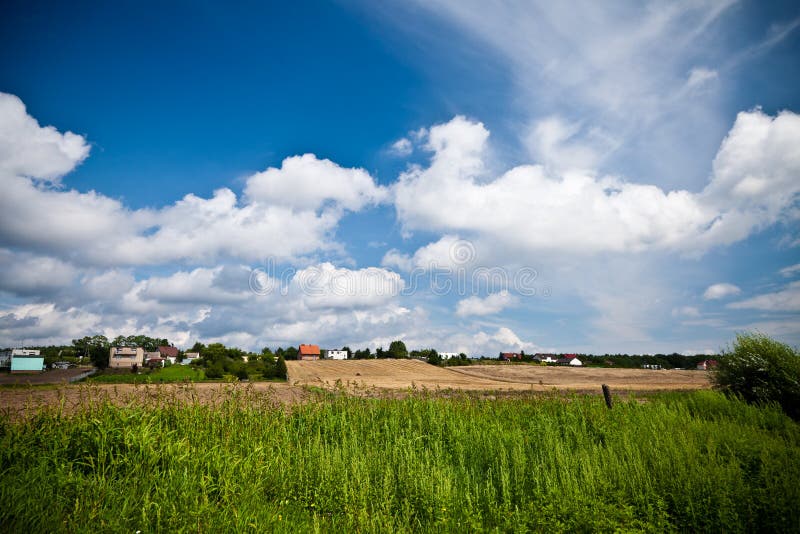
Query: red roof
(168, 351)
(309, 350)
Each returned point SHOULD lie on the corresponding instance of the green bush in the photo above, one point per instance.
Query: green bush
(761, 370)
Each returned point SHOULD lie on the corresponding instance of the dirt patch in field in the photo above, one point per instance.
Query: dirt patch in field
(18, 402)
(52, 376)
(403, 374)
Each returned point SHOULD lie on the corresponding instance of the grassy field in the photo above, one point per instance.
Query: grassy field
(677, 462)
(173, 373)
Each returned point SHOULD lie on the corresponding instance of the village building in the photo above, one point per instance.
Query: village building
(125, 357)
(569, 359)
(705, 365)
(26, 361)
(330, 354)
(308, 352)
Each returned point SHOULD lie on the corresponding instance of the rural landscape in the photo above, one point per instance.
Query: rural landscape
(406, 266)
(404, 445)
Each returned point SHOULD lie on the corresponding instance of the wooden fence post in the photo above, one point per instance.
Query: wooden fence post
(607, 395)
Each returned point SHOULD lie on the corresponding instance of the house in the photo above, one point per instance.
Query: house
(125, 357)
(308, 352)
(335, 354)
(190, 357)
(26, 361)
(169, 353)
(154, 359)
(508, 356)
(545, 358)
(569, 359)
(706, 365)
(448, 355)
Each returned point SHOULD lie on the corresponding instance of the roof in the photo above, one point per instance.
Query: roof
(308, 350)
(168, 351)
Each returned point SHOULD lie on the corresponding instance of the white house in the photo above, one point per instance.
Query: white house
(335, 355)
(569, 359)
(545, 358)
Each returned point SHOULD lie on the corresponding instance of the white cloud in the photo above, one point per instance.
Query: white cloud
(286, 213)
(27, 149)
(563, 145)
(529, 209)
(27, 274)
(686, 311)
(791, 270)
(700, 76)
(785, 300)
(325, 286)
(494, 303)
(402, 147)
(306, 182)
(42, 324)
(720, 291)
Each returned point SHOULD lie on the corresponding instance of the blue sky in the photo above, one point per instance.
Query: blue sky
(266, 175)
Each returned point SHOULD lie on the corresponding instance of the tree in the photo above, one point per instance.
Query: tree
(397, 349)
(290, 353)
(760, 369)
(281, 370)
(433, 357)
(96, 348)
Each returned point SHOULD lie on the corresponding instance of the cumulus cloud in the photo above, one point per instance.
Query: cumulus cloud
(285, 213)
(530, 209)
(306, 182)
(25, 274)
(785, 300)
(325, 286)
(720, 291)
(494, 303)
(27, 149)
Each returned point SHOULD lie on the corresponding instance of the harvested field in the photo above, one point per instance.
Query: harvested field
(402, 374)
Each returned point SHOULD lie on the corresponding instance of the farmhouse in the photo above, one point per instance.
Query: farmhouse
(169, 353)
(125, 357)
(508, 356)
(545, 358)
(569, 359)
(26, 361)
(706, 365)
(335, 354)
(308, 352)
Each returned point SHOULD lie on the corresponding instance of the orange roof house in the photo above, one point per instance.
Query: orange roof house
(308, 352)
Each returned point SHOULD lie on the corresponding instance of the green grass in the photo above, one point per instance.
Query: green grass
(679, 462)
(173, 373)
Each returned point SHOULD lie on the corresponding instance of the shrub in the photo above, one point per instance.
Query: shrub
(214, 372)
(761, 370)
